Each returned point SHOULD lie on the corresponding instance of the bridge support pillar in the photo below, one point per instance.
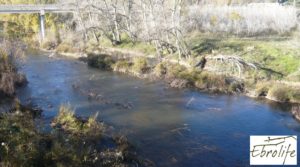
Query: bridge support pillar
(42, 25)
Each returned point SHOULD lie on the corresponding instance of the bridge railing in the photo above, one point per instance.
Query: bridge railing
(35, 8)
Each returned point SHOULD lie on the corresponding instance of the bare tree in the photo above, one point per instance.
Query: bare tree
(157, 22)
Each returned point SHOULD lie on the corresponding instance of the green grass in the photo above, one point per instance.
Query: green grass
(126, 43)
(295, 77)
(278, 55)
(67, 121)
(279, 58)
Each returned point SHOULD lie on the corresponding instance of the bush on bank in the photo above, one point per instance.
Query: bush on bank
(72, 142)
(100, 61)
(177, 75)
(140, 65)
(279, 92)
(9, 76)
(67, 121)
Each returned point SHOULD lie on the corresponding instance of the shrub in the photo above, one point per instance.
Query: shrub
(140, 65)
(160, 70)
(67, 121)
(173, 71)
(262, 88)
(235, 86)
(100, 61)
(49, 45)
(23, 145)
(295, 96)
(122, 66)
(279, 92)
(189, 74)
(9, 76)
(211, 81)
(66, 48)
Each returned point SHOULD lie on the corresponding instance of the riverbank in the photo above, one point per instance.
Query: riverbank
(180, 74)
(73, 141)
(171, 127)
(10, 77)
(69, 141)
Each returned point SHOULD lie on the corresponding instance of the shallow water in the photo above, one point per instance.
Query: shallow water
(170, 127)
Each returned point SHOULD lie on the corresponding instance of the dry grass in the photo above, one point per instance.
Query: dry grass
(252, 19)
(160, 70)
(212, 81)
(9, 76)
(278, 91)
(140, 65)
(122, 66)
(67, 121)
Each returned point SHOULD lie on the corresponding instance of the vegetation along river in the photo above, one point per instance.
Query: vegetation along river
(171, 127)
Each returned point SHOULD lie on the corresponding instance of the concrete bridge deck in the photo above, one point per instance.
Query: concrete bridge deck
(47, 8)
(41, 9)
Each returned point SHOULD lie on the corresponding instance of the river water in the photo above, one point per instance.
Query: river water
(168, 126)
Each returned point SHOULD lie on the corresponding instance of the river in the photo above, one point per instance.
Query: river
(168, 126)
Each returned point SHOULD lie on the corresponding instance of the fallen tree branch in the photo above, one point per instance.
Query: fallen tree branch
(236, 61)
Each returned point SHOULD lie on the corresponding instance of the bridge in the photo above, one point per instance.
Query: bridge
(40, 9)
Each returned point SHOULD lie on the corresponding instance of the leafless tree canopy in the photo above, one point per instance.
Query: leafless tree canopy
(164, 23)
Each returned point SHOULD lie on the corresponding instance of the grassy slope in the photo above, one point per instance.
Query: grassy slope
(279, 54)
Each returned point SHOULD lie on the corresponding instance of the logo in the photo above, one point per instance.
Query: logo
(273, 150)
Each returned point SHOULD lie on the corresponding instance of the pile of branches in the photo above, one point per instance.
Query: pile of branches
(234, 61)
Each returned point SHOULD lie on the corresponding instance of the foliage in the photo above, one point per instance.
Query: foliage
(140, 65)
(279, 93)
(262, 88)
(174, 70)
(66, 48)
(122, 66)
(22, 25)
(160, 70)
(67, 121)
(9, 76)
(212, 82)
(101, 61)
(23, 145)
(18, 140)
(284, 93)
